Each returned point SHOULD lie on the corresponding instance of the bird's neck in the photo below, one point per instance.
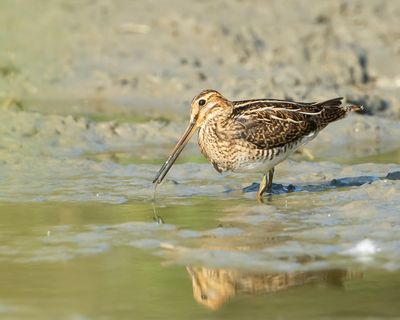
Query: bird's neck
(217, 118)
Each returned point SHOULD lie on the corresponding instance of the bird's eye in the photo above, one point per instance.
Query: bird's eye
(202, 102)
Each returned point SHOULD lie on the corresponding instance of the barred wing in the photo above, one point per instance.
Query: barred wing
(275, 123)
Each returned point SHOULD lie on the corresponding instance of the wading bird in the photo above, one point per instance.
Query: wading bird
(253, 134)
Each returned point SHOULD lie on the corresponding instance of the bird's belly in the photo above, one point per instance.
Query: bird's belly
(271, 157)
(274, 156)
(246, 160)
(243, 157)
(264, 164)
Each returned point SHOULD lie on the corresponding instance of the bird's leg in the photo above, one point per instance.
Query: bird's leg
(261, 189)
(266, 184)
(270, 177)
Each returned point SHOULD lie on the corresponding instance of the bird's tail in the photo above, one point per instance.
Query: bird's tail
(334, 110)
(354, 107)
(337, 103)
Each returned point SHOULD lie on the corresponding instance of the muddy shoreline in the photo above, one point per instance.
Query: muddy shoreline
(149, 59)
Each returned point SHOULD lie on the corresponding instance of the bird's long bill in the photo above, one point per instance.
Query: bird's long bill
(191, 129)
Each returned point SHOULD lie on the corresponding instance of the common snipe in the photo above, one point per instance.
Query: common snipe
(253, 134)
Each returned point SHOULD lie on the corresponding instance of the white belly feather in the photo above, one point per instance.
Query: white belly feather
(278, 155)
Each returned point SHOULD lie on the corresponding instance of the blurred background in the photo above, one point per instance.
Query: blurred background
(147, 59)
(93, 96)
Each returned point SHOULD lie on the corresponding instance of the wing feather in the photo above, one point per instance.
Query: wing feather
(275, 123)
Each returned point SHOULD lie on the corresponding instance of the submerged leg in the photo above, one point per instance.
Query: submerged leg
(270, 177)
(266, 184)
(261, 189)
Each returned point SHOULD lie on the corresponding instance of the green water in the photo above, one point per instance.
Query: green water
(77, 261)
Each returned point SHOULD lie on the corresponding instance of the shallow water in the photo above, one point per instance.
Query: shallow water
(219, 257)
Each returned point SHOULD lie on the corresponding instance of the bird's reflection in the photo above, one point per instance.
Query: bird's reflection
(214, 287)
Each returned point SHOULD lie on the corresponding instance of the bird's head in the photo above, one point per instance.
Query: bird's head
(205, 105)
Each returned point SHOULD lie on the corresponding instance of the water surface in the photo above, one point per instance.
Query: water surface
(213, 258)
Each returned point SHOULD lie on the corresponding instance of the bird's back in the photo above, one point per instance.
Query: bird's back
(274, 123)
(266, 130)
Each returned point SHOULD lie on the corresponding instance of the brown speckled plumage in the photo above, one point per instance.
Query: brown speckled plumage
(254, 134)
